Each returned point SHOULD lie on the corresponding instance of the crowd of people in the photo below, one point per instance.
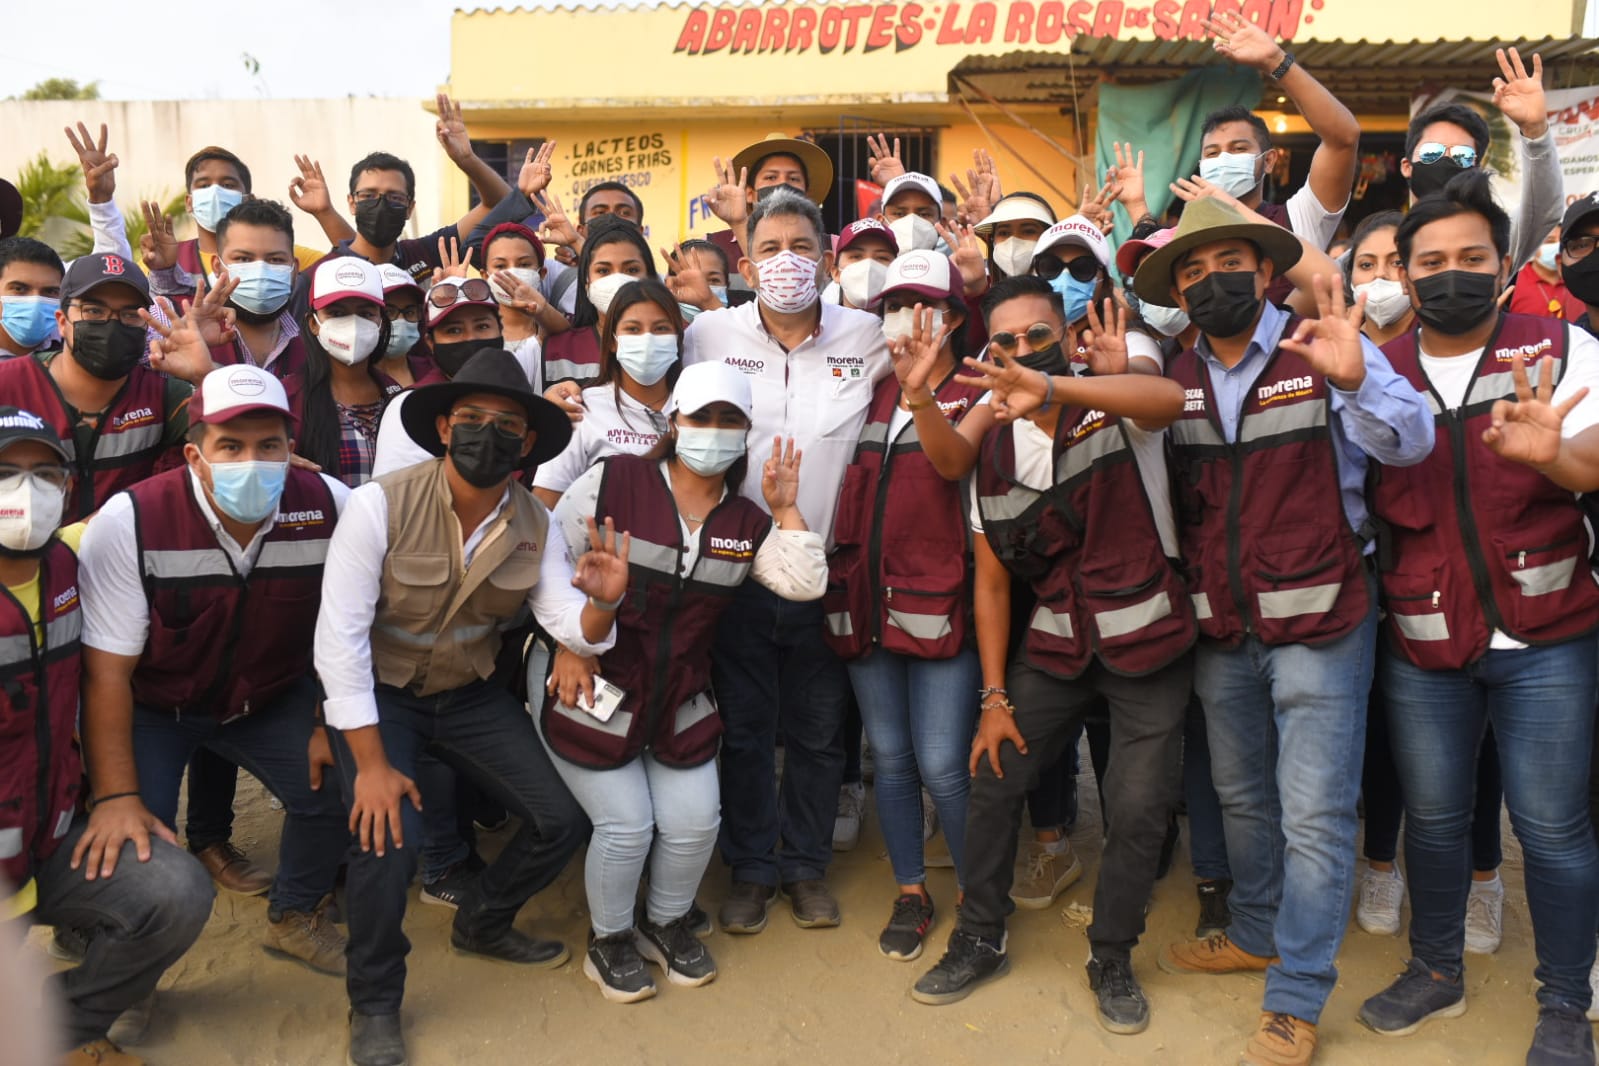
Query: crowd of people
(521, 524)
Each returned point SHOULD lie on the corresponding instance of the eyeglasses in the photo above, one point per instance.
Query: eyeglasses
(1082, 267)
(1039, 335)
(1578, 247)
(395, 199)
(128, 316)
(510, 425)
(1463, 156)
(411, 314)
(446, 293)
(54, 476)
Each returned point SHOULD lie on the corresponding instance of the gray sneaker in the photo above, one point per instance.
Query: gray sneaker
(1042, 875)
(1417, 996)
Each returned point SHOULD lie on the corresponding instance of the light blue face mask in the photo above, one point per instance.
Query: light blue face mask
(1076, 294)
(720, 292)
(403, 336)
(1167, 321)
(1232, 172)
(212, 203)
(28, 320)
(263, 287)
(248, 491)
(1548, 256)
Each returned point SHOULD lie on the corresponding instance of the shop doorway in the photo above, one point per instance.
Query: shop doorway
(846, 145)
(1378, 184)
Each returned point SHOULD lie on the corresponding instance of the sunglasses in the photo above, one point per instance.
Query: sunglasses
(447, 293)
(1082, 267)
(1463, 156)
(1039, 335)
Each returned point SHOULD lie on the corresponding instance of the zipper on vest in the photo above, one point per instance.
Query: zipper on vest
(874, 546)
(1235, 577)
(1468, 527)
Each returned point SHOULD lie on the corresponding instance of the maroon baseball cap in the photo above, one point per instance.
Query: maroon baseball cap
(864, 228)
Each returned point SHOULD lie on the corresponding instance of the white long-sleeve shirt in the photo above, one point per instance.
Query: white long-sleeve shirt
(352, 582)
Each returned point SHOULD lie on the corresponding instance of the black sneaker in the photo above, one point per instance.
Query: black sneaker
(699, 923)
(1214, 915)
(458, 881)
(613, 963)
(744, 910)
(1564, 1037)
(1417, 995)
(1122, 1006)
(674, 948)
(967, 963)
(907, 927)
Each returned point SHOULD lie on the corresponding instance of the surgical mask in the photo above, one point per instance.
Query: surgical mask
(526, 275)
(902, 323)
(350, 339)
(1167, 321)
(720, 292)
(914, 233)
(1455, 301)
(483, 456)
(1386, 301)
(603, 290)
(1051, 360)
(689, 312)
(646, 356)
(107, 350)
(1076, 295)
(28, 320)
(1223, 303)
(708, 451)
(787, 282)
(379, 221)
(212, 203)
(403, 336)
(263, 287)
(1549, 255)
(248, 490)
(1429, 178)
(30, 510)
(1014, 255)
(1232, 172)
(862, 282)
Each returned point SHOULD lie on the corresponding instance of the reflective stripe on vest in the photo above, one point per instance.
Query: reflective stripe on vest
(1008, 507)
(921, 626)
(202, 562)
(661, 558)
(1289, 603)
(664, 559)
(566, 369)
(128, 442)
(1279, 421)
(1201, 601)
(1195, 433)
(290, 554)
(1124, 620)
(695, 710)
(723, 572)
(617, 725)
(66, 629)
(1084, 454)
(15, 650)
(839, 625)
(1542, 580)
(1422, 626)
(463, 634)
(875, 433)
(1047, 621)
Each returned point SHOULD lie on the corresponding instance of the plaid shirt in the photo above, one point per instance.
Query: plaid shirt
(358, 435)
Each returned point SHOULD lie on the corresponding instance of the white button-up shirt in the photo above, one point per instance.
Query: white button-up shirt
(818, 393)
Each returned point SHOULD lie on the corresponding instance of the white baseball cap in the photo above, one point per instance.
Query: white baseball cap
(911, 180)
(924, 273)
(343, 277)
(703, 384)
(1075, 229)
(1015, 209)
(231, 391)
(394, 277)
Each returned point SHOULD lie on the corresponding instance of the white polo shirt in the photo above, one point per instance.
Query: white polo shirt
(818, 393)
(614, 423)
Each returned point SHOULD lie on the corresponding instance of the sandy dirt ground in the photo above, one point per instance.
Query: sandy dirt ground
(801, 996)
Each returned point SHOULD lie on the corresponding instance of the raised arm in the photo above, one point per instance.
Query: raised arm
(457, 144)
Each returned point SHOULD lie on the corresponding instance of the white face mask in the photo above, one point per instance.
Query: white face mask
(30, 510)
(646, 356)
(1167, 321)
(526, 275)
(1386, 301)
(787, 282)
(603, 290)
(350, 339)
(708, 451)
(914, 234)
(901, 323)
(1014, 255)
(862, 282)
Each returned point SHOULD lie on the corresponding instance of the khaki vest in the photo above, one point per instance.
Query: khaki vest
(438, 622)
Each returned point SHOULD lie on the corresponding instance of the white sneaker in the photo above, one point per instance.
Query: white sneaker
(847, 823)
(1485, 911)
(1382, 893)
(1593, 988)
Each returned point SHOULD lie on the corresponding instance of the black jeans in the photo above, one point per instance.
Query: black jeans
(139, 921)
(213, 780)
(485, 733)
(1146, 722)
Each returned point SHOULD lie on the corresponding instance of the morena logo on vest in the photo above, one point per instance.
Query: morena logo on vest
(133, 418)
(740, 549)
(300, 519)
(1527, 352)
(65, 600)
(1091, 421)
(1286, 389)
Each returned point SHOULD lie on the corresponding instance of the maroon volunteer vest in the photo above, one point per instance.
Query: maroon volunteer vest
(124, 448)
(288, 367)
(572, 356)
(1089, 548)
(219, 644)
(1280, 288)
(899, 575)
(665, 627)
(1266, 544)
(41, 772)
(1473, 542)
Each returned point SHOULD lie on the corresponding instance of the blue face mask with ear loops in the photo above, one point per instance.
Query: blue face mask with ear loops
(1076, 294)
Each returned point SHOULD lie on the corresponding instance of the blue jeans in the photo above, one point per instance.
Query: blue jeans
(1207, 839)
(271, 744)
(1540, 702)
(919, 716)
(773, 672)
(1287, 731)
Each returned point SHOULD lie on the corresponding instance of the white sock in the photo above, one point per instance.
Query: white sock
(1493, 885)
(1056, 847)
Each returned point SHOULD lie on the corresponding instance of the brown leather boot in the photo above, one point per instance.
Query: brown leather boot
(232, 870)
(1213, 954)
(101, 1052)
(1282, 1040)
(312, 938)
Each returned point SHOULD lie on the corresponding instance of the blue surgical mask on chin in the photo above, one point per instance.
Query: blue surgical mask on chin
(1076, 294)
(249, 490)
(1232, 172)
(213, 202)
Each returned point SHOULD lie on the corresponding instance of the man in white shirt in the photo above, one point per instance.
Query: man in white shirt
(812, 368)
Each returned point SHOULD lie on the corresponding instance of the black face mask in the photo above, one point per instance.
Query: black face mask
(1051, 360)
(1455, 301)
(379, 221)
(451, 356)
(1582, 278)
(1223, 303)
(1429, 178)
(107, 350)
(483, 456)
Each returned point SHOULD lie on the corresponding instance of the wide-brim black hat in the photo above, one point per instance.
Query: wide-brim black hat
(495, 371)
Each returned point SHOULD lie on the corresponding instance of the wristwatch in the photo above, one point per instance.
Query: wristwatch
(1282, 68)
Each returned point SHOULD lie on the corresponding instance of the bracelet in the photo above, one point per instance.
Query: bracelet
(1004, 704)
(911, 405)
(114, 796)
(601, 605)
(1282, 68)
(991, 690)
(1049, 392)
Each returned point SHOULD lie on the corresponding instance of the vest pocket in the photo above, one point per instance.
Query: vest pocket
(923, 624)
(851, 521)
(1542, 576)
(1297, 580)
(420, 580)
(580, 738)
(1417, 620)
